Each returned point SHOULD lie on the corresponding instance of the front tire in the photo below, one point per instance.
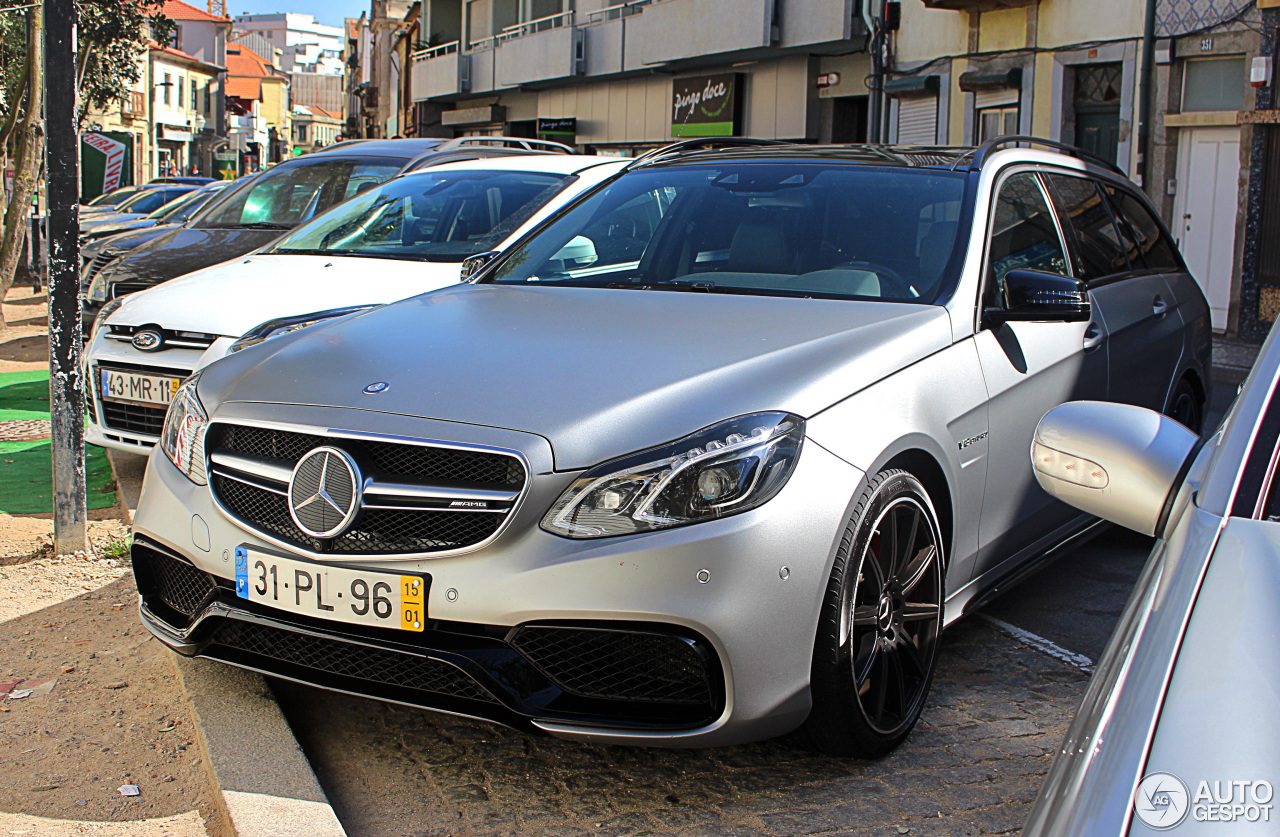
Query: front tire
(877, 642)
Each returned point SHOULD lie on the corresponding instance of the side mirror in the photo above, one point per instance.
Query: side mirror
(472, 265)
(579, 252)
(1034, 296)
(1121, 463)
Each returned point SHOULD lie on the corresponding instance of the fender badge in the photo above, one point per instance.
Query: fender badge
(377, 387)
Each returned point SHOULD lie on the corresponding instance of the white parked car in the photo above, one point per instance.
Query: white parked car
(405, 237)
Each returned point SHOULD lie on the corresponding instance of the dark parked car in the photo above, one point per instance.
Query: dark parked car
(138, 205)
(173, 212)
(190, 181)
(260, 211)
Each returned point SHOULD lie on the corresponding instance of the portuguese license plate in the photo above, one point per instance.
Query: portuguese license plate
(340, 594)
(143, 389)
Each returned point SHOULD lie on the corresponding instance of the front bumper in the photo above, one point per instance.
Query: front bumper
(135, 428)
(747, 633)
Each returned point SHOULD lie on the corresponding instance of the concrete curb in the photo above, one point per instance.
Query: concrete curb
(265, 783)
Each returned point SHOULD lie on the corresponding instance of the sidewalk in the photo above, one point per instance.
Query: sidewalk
(1233, 360)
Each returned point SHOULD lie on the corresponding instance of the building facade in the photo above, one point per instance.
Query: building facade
(259, 115)
(184, 91)
(306, 45)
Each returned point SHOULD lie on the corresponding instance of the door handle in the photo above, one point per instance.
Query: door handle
(1159, 307)
(1093, 337)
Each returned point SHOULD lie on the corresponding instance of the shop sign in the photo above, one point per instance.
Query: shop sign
(106, 162)
(226, 165)
(564, 127)
(706, 106)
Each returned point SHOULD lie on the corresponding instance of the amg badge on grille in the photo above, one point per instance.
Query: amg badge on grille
(324, 492)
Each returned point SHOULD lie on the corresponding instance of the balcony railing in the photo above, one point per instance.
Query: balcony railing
(617, 12)
(542, 24)
(437, 51)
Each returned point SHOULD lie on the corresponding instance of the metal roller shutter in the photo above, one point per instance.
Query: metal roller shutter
(918, 121)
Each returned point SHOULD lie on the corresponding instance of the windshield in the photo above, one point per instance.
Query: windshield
(289, 195)
(182, 207)
(149, 200)
(114, 198)
(434, 216)
(782, 229)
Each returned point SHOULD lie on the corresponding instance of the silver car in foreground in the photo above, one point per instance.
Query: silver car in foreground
(711, 456)
(1177, 730)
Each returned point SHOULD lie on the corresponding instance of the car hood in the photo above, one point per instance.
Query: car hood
(118, 226)
(184, 250)
(126, 240)
(109, 219)
(597, 372)
(230, 298)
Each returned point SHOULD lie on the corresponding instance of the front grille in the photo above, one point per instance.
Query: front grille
(618, 665)
(410, 463)
(119, 289)
(395, 526)
(348, 660)
(375, 531)
(170, 338)
(145, 419)
(99, 261)
(166, 582)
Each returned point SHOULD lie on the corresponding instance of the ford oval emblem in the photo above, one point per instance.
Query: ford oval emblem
(377, 387)
(148, 341)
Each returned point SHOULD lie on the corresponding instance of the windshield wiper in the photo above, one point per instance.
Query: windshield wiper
(706, 287)
(263, 225)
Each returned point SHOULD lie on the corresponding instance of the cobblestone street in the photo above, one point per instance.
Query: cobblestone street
(973, 766)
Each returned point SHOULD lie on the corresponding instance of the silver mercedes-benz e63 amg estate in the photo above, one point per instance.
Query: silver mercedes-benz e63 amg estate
(712, 456)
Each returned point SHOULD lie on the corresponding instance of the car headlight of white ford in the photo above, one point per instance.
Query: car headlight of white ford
(182, 437)
(728, 468)
(286, 325)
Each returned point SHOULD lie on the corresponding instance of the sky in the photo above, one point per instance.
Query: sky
(328, 12)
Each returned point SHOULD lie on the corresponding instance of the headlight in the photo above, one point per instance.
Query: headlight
(182, 437)
(284, 325)
(726, 469)
(106, 311)
(97, 289)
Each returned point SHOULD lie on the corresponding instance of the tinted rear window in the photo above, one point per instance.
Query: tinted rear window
(1098, 247)
(1150, 246)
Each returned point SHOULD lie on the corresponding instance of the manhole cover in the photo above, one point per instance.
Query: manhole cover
(24, 430)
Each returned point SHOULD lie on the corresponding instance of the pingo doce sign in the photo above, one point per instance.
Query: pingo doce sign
(705, 106)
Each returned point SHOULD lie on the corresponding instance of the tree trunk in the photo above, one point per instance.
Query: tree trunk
(26, 160)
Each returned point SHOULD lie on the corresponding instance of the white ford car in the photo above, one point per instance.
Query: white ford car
(405, 237)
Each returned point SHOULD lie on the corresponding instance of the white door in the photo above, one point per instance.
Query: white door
(1205, 211)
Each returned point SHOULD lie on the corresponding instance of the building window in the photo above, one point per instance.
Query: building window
(180, 92)
(1213, 84)
(194, 100)
(997, 122)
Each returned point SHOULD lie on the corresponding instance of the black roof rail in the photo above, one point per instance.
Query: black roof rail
(507, 142)
(685, 146)
(981, 153)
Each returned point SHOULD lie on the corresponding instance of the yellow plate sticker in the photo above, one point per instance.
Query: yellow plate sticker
(413, 599)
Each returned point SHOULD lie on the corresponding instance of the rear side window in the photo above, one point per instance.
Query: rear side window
(1023, 235)
(285, 197)
(1151, 247)
(1099, 251)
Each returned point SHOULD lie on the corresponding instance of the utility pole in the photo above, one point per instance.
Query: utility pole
(1147, 97)
(1249, 325)
(66, 380)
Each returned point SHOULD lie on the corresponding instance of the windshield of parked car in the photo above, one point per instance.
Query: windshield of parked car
(434, 216)
(291, 194)
(785, 229)
(183, 207)
(150, 200)
(115, 197)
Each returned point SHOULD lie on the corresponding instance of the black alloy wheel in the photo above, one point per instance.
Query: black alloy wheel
(877, 642)
(1186, 407)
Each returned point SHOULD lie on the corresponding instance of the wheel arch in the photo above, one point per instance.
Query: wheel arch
(925, 467)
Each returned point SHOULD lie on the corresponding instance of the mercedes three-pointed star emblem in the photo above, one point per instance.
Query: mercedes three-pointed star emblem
(324, 492)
